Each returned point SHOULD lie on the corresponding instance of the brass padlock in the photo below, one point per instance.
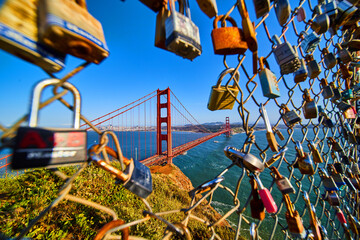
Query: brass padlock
(303, 160)
(312, 66)
(68, 27)
(293, 219)
(220, 98)
(262, 7)
(335, 145)
(19, 35)
(327, 91)
(302, 73)
(314, 222)
(321, 23)
(290, 117)
(336, 91)
(315, 152)
(310, 109)
(278, 133)
(208, 7)
(329, 58)
(160, 35)
(228, 40)
(268, 80)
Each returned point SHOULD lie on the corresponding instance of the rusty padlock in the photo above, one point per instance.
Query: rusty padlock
(228, 40)
(68, 27)
(220, 98)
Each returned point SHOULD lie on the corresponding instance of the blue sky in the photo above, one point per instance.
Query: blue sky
(135, 67)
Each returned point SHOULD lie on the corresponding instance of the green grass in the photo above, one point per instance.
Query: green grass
(23, 197)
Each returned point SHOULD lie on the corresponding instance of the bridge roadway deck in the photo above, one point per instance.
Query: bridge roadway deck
(158, 159)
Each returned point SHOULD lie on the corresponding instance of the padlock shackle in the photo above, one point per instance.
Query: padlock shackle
(182, 6)
(306, 95)
(223, 19)
(324, 82)
(299, 149)
(36, 95)
(276, 39)
(224, 73)
(323, 173)
(262, 62)
(285, 107)
(276, 172)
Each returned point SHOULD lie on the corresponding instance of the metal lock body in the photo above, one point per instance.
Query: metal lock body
(266, 197)
(220, 98)
(19, 35)
(290, 117)
(286, 56)
(329, 58)
(228, 40)
(327, 91)
(293, 219)
(313, 67)
(344, 71)
(339, 169)
(315, 152)
(278, 133)
(310, 41)
(303, 160)
(155, 5)
(302, 73)
(321, 23)
(343, 105)
(330, 8)
(209, 7)
(336, 91)
(310, 109)
(256, 205)
(314, 223)
(182, 35)
(282, 10)
(68, 27)
(346, 11)
(343, 54)
(334, 144)
(262, 7)
(160, 35)
(326, 121)
(333, 198)
(50, 147)
(268, 80)
(249, 161)
(136, 176)
(283, 183)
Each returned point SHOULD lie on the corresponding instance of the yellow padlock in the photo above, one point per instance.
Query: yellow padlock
(220, 98)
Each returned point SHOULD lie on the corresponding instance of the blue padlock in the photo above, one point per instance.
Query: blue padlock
(268, 81)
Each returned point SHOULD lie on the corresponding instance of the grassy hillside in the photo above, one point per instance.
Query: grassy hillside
(23, 197)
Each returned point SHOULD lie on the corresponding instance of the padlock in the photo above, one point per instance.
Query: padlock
(262, 7)
(278, 133)
(328, 182)
(136, 177)
(209, 7)
(313, 67)
(309, 42)
(340, 215)
(330, 8)
(220, 98)
(344, 71)
(256, 205)
(286, 56)
(346, 11)
(335, 146)
(283, 183)
(18, 35)
(270, 137)
(327, 91)
(228, 40)
(249, 161)
(329, 58)
(315, 152)
(351, 136)
(355, 168)
(339, 180)
(314, 223)
(354, 181)
(293, 219)
(350, 113)
(343, 105)
(275, 157)
(336, 91)
(182, 35)
(333, 198)
(324, 118)
(282, 10)
(268, 80)
(155, 5)
(343, 54)
(349, 184)
(160, 35)
(344, 158)
(49, 147)
(303, 160)
(302, 73)
(68, 27)
(310, 109)
(339, 169)
(290, 117)
(266, 197)
(321, 23)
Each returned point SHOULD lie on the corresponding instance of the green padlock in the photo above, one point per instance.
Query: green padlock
(220, 98)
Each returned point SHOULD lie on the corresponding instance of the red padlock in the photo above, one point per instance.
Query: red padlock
(228, 40)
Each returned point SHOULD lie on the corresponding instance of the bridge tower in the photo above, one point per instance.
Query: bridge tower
(164, 118)
(227, 126)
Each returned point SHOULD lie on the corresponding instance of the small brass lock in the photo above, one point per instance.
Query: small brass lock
(329, 58)
(312, 66)
(268, 81)
(228, 40)
(303, 160)
(220, 98)
(310, 109)
(336, 91)
(293, 219)
(256, 205)
(302, 73)
(315, 152)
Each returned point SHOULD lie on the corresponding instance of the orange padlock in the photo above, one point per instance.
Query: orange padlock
(228, 40)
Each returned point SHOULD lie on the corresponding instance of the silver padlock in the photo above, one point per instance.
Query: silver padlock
(310, 109)
(50, 147)
(330, 8)
(262, 7)
(249, 161)
(327, 91)
(282, 10)
(290, 117)
(182, 35)
(324, 118)
(346, 11)
(329, 58)
(302, 73)
(310, 41)
(268, 80)
(303, 160)
(321, 22)
(312, 66)
(286, 56)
